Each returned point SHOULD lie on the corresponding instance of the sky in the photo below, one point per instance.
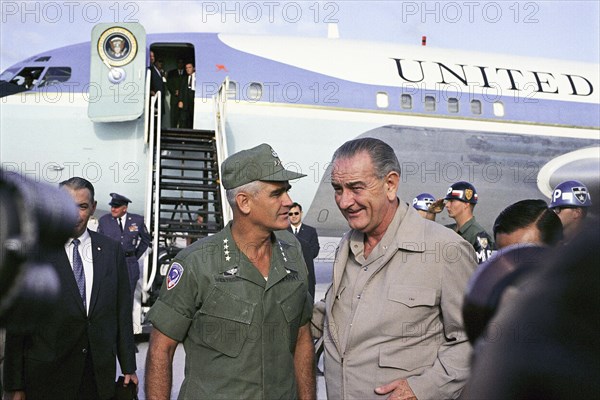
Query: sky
(566, 30)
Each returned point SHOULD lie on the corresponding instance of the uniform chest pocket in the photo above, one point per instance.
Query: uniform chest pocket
(224, 321)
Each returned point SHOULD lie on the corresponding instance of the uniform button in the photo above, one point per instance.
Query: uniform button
(366, 268)
(358, 297)
(84, 351)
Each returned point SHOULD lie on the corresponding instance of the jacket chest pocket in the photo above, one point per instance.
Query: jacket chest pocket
(224, 321)
(409, 310)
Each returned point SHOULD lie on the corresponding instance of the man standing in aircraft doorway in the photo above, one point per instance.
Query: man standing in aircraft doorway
(175, 80)
(186, 102)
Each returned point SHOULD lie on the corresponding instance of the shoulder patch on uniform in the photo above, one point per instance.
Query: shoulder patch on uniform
(483, 241)
(174, 275)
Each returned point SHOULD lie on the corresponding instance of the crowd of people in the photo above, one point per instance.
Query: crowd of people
(416, 310)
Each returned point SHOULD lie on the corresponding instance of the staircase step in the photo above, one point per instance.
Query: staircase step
(188, 201)
(187, 186)
(187, 147)
(185, 178)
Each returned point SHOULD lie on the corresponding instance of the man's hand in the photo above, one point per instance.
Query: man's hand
(437, 206)
(399, 390)
(131, 378)
(16, 395)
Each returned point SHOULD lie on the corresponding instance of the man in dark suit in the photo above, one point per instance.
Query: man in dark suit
(188, 93)
(72, 356)
(156, 81)
(130, 230)
(307, 236)
(175, 80)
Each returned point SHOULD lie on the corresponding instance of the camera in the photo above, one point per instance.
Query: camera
(34, 218)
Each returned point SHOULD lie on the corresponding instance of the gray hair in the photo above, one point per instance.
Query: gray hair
(251, 188)
(382, 155)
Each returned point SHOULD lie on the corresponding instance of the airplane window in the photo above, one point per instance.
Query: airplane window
(8, 74)
(429, 103)
(406, 101)
(43, 59)
(56, 75)
(254, 91)
(498, 109)
(28, 77)
(382, 100)
(232, 91)
(453, 105)
(476, 107)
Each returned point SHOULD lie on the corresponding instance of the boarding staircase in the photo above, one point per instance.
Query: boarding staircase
(188, 186)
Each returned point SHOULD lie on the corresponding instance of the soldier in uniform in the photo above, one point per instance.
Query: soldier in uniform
(570, 201)
(130, 230)
(238, 300)
(422, 203)
(461, 199)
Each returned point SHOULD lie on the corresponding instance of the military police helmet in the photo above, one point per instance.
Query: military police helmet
(423, 201)
(570, 194)
(462, 191)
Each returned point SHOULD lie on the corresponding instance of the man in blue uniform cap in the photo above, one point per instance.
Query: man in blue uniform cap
(130, 230)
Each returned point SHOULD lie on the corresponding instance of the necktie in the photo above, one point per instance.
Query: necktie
(295, 231)
(189, 81)
(78, 269)
(120, 224)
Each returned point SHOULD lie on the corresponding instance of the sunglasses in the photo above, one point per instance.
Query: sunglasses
(293, 213)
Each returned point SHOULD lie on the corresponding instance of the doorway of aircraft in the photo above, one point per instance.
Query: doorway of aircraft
(178, 97)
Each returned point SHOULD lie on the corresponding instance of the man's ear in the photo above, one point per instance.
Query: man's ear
(94, 204)
(392, 180)
(243, 202)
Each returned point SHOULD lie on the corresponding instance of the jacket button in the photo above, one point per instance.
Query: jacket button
(84, 351)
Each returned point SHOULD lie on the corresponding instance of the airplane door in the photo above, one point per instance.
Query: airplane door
(117, 72)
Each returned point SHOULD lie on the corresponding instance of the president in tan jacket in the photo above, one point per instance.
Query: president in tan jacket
(391, 320)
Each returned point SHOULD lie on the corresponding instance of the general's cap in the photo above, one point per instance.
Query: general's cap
(118, 200)
(259, 163)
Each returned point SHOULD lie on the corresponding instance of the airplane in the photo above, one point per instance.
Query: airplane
(514, 127)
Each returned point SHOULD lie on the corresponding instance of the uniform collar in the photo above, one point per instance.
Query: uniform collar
(234, 262)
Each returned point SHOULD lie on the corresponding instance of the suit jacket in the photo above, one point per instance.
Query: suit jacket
(408, 320)
(48, 363)
(309, 240)
(187, 95)
(157, 84)
(174, 82)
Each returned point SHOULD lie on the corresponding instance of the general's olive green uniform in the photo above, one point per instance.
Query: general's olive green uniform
(474, 233)
(239, 331)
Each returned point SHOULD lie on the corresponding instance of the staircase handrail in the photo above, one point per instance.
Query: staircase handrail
(153, 163)
(220, 108)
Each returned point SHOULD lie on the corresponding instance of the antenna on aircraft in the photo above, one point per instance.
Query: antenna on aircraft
(332, 31)
(423, 40)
